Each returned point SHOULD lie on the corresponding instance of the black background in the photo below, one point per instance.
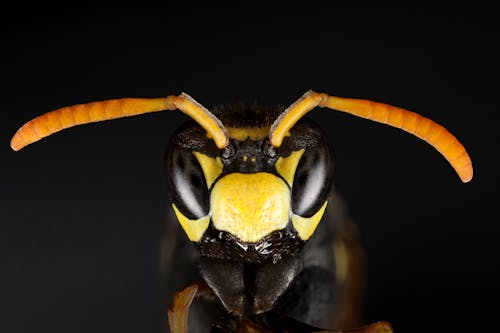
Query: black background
(83, 210)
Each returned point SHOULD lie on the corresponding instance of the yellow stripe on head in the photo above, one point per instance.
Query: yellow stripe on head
(211, 167)
(250, 206)
(305, 226)
(244, 133)
(194, 229)
(286, 166)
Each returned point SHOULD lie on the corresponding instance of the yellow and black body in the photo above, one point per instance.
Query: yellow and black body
(250, 186)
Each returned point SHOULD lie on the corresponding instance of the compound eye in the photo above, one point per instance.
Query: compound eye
(312, 181)
(186, 183)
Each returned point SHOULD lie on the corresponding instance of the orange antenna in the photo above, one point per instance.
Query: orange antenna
(66, 117)
(411, 122)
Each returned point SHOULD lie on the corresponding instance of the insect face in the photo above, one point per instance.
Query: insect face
(250, 200)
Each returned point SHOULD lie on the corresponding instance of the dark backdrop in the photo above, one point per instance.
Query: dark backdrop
(82, 211)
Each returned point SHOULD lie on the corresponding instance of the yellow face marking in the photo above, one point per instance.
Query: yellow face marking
(250, 206)
(194, 229)
(286, 166)
(305, 226)
(252, 133)
(245, 158)
(212, 167)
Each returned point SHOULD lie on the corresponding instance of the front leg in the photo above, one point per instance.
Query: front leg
(179, 312)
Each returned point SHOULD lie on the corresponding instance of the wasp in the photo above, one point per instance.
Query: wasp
(250, 187)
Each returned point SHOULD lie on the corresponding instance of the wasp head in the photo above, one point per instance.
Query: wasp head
(249, 201)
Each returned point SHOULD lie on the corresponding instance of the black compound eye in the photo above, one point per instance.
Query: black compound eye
(186, 183)
(313, 180)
